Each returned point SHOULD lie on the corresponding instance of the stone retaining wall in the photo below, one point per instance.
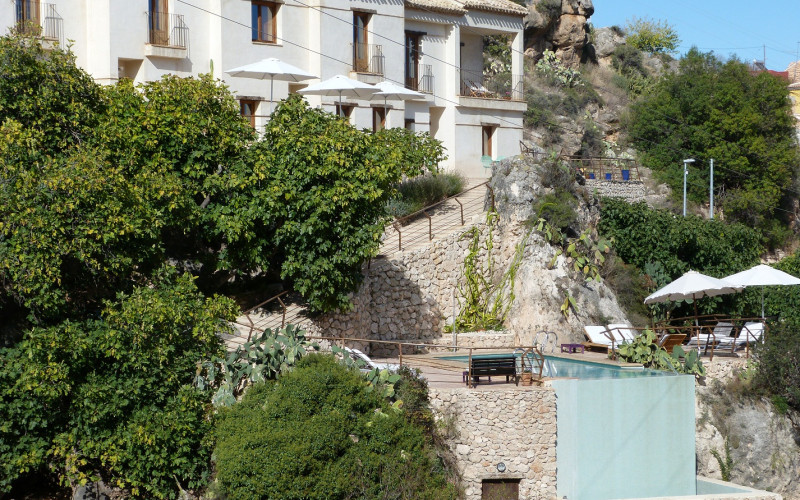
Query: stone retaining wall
(630, 191)
(409, 296)
(515, 426)
(486, 338)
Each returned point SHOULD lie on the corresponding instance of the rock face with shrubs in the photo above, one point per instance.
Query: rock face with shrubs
(320, 432)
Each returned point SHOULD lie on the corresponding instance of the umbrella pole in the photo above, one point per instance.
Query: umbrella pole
(341, 111)
(762, 302)
(271, 82)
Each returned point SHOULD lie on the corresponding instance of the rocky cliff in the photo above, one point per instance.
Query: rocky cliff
(755, 443)
(560, 26)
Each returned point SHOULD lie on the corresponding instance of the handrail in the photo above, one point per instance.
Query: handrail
(399, 222)
(252, 325)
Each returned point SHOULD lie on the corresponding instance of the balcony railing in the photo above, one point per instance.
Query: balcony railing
(425, 82)
(368, 58)
(40, 19)
(167, 30)
(499, 86)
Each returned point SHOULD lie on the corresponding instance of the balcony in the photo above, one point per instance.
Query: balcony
(424, 82)
(167, 35)
(500, 86)
(40, 19)
(368, 58)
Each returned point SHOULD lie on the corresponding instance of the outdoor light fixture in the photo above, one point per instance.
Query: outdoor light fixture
(501, 467)
(686, 163)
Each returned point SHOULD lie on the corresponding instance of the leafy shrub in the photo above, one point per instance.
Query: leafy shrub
(627, 60)
(778, 365)
(630, 286)
(317, 432)
(651, 36)
(420, 192)
(645, 235)
(558, 208)
(112, 397)
(645, 350)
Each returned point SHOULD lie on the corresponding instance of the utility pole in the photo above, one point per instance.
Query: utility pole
(686, 163)
(711, 192)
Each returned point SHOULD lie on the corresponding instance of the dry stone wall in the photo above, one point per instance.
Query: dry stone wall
(513, 426)
(630, 191)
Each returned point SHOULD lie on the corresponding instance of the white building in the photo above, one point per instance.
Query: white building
(434, 46)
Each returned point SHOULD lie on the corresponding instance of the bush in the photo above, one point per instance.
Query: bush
(778, 365)
(657, 239)
(558, 208)
(652, 36)
(318, 433)
(112, 397)
(420, 192)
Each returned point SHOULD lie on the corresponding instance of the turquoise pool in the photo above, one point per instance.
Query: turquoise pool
(573, 368)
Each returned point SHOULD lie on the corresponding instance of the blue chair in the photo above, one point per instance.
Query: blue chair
(486, 161)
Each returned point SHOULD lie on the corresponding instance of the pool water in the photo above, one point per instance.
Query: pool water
(572, 368)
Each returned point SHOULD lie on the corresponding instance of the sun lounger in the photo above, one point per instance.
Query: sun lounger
(599, 338)
(669, 340)
(622, 333)
(750, 334)
(358, 355)
(719, 336)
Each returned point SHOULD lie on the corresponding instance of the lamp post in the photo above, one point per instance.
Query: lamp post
(711, 193)
(686, 163)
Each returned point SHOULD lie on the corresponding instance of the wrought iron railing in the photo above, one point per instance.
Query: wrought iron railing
(168, 30)
(368, 58)
(39, 19)
(500, 86)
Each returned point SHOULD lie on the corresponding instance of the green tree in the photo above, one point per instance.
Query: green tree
(313, 201)
(46, 92)
(646, 238)
(710, 109)
(111, 397)
(318, 432)
(651, 36)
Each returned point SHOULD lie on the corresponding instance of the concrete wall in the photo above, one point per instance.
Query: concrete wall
(515, 426)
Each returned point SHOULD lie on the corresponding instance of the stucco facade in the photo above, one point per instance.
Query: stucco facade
(434, 46)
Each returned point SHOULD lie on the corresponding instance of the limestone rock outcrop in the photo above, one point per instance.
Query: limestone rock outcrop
(560, 26)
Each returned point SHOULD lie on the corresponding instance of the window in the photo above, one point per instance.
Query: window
(409, 124)
(360, 41)
(412, 59)
(264, 21)
(27, 15)
(378, 119)
(248, 109)
(487, 131)
(345, 110)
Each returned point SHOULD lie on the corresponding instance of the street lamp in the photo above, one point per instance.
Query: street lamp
(686, 163)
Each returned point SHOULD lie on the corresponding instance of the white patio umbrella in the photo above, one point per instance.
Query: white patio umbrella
(274, 69)
(761, 276)
(692, 285)
(390, 90)
(342, 86)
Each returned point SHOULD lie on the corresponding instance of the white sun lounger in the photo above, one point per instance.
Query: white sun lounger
(600, 336)
(721, 333)
(622, 333)
(358, 355)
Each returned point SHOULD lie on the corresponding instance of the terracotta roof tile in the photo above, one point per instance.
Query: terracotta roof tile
(444, 6)
(501, 6)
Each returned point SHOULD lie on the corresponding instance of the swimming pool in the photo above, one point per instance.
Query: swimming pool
(556, 367)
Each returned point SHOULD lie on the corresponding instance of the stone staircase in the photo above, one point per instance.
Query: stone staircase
(452, 215)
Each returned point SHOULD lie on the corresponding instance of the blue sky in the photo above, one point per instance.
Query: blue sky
(724, 27)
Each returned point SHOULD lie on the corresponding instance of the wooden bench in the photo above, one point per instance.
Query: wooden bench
(484, 366)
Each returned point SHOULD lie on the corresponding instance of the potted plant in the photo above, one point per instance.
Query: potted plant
(527, 377)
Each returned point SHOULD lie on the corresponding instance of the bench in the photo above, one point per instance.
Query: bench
(484, 366)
